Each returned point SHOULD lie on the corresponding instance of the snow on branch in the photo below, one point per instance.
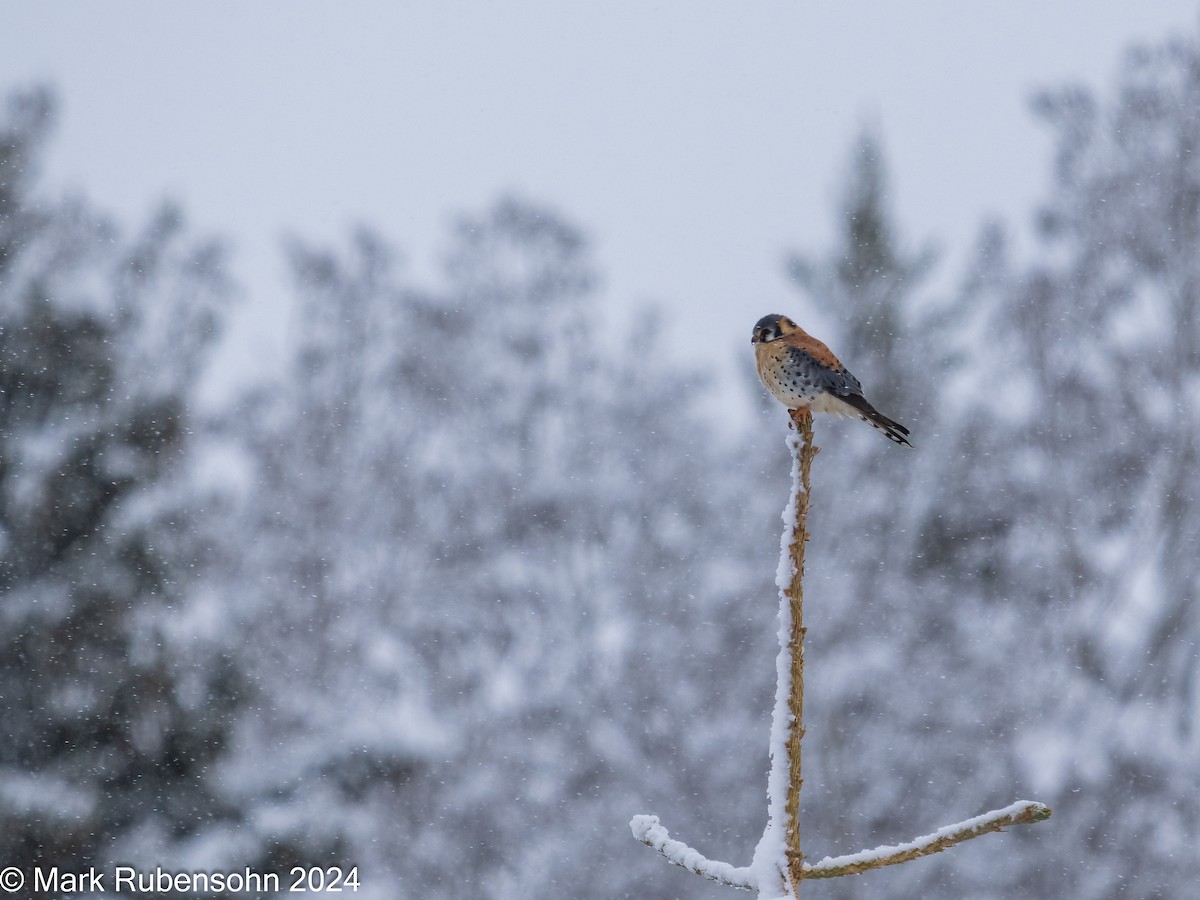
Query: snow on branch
(647, 830)
(1023, 812)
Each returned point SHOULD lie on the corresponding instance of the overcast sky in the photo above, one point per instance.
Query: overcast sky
(695, 142)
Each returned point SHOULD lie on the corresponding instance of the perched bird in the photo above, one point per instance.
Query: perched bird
(803, 374)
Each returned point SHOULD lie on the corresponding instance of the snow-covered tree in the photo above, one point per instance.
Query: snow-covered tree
(1036, 554)
(865, 635)
(112, 714)
(479, 549)
(1103, 525)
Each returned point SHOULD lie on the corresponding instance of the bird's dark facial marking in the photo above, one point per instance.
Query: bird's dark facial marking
(768, 329)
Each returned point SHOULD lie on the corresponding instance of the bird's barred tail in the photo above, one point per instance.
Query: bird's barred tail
(893, 431)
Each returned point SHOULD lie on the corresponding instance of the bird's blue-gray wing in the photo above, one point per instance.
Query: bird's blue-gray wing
(838, 382)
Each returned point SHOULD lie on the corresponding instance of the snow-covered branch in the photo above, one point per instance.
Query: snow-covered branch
(778, 855)
(647, 830)
(1023, 812)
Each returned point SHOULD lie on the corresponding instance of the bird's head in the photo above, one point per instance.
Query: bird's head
(772, 328)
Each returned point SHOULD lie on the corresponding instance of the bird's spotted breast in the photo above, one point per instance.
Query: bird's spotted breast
(787, 376)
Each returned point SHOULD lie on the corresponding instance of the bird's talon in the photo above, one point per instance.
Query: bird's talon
(800, 416)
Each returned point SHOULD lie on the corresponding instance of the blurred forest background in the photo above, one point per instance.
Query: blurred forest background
(474, 583)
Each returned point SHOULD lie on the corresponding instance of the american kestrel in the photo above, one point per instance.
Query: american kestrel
(802, 373)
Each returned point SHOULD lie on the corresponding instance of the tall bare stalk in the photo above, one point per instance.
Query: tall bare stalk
(804, 450)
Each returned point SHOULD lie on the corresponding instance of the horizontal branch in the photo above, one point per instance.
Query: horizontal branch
(1023, 812)
(647, 830)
